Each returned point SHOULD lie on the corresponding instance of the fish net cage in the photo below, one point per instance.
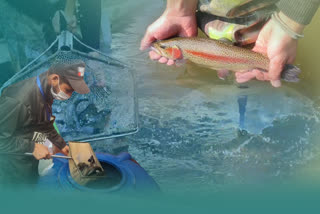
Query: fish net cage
(108, 111)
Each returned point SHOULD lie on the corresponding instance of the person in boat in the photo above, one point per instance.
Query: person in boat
(272, 26)
(26, 122)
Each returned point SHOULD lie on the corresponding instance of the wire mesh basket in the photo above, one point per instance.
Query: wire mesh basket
(109, 110)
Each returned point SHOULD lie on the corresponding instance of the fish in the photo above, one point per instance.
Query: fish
(219, 56)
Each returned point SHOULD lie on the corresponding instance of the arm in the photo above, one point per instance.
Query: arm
(177, 20)
(57, 141)
(300, 11)
(12, 115)
(182, 7)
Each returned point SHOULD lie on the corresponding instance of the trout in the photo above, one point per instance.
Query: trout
(217, 55)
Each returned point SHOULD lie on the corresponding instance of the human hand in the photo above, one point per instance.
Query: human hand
(280, 48)
(64, 150)
(168, 25)
(41, 152)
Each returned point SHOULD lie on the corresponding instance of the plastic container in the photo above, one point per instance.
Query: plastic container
(123, 175)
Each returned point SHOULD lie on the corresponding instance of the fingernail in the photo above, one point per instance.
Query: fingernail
(276, 83)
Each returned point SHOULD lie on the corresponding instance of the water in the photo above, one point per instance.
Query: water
(190, 137)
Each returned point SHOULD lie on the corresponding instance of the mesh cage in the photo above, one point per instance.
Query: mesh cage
(109, 110)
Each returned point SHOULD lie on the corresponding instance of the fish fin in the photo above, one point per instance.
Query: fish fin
(222, 74)
(180, 62)
(290, 73)
(175, 52)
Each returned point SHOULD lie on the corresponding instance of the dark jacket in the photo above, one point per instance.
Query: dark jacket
(23, 116)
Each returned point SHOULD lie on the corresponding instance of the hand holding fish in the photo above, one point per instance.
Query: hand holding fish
(270, 60)
(280, 48)
(177, 20)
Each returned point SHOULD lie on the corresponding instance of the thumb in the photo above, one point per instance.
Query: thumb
(147, 41)
(49, 155)
(259, 49)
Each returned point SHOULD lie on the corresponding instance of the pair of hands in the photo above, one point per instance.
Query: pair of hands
(42, 152)
(272, 41)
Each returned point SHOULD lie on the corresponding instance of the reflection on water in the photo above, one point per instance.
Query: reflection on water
(190, 119)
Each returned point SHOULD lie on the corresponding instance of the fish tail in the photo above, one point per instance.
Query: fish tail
(290, 73)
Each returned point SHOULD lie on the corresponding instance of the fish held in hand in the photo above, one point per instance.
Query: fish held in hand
(219, 56)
